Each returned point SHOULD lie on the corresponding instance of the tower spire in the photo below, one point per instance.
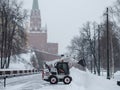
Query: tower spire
(35, 5)
(35, 18)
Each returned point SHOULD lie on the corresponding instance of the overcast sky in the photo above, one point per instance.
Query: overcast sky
(64, 17)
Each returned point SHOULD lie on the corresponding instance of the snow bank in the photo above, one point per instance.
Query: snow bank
(22, 61)
(117, 73)
(92, 82)
(117, 76)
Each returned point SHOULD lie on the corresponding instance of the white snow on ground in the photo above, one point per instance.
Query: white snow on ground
(93, 82)
(117, 76)
(117, 73)
(22, 61)
(81, 81)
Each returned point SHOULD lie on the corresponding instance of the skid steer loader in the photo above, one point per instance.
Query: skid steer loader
(58, 73)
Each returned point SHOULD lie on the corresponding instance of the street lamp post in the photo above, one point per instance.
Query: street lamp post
(108, 65)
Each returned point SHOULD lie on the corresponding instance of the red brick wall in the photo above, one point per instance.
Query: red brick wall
(52, 48)
(44, 56)
(38, 40)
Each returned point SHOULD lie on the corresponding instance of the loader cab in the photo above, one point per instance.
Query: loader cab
(62, 68)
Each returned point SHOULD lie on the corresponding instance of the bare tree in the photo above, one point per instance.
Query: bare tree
(84, 45)
(13, 37)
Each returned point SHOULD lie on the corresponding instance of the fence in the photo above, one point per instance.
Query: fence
(14, 73)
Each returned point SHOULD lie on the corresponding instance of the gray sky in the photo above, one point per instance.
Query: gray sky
(64, 17)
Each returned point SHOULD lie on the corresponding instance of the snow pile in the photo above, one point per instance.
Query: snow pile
(117, 73)
(89, 81)
(22, 61)
(117, 76)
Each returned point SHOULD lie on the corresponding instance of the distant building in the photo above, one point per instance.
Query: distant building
(37, 36)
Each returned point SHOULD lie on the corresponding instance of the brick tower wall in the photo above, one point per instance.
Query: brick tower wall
(52, 48)
(38, 41)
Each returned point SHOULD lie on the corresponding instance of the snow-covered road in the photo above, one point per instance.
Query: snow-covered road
(33, 82)
(81, 81)
(30, 82)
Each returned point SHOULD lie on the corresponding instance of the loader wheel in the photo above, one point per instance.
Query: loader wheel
(53, 80)
(67, 80)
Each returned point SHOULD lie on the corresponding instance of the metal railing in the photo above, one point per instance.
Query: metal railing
(4, 74)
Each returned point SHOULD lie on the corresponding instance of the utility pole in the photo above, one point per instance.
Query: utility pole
(99, 50)
(108, 65)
